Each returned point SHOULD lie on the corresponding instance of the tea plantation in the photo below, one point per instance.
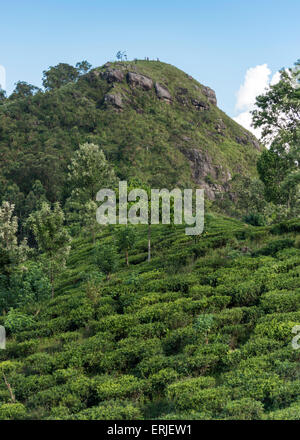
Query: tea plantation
(202, 331)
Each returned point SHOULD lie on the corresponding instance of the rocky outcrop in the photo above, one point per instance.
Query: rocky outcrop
(212, 178)
(210, 94)
(182, 96)
(248, 138)
(114, 99)
(113, 75)
(220, 127)
(135, 79)
(199, 105)
(162, 92)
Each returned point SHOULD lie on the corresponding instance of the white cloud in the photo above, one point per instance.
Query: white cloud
(2, 78)
(257, 80)
(275, 78)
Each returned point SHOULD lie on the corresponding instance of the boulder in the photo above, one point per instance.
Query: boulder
(114, 100)
(210, 94)
(113, 75)
(220, 126)
(135, 79)
(162, 92)
(199, 105)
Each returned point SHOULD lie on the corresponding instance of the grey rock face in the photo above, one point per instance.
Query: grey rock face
(220, 126)
(210, 94)
(203, 170)
(113, 75)
(255, 143)
(182, 96)
(244, 140)
(200, 105)
(136, 79)
(114, 100)
(162, 92)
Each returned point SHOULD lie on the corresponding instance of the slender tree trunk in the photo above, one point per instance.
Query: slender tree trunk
(149, 242)
(12, 396)
(52, 281)
(126, 257)
(289, 201)
(93, 236)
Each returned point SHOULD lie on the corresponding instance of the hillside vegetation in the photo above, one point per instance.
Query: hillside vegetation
(153, 122)
(204, 330)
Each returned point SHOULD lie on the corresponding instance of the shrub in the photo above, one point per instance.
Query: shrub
(244, 409)
(39, 363)
(198, 393)
(119, 387)
(274, 246)
(255, 219)
(290, 413)
(159, 381)
(203, 324)
(111, 410)
(17, 321)
(12, 411)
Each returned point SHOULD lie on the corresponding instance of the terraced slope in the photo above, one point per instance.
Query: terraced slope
(202, 331)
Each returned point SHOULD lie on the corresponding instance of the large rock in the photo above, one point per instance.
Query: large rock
(113, 75)
(114, 100)
(220, 126)
(246, 139)
(210, 94)
(200, 105)
(135, 79)
(162, 92)
(212, 178)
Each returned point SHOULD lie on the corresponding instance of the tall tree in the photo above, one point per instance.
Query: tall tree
(57, 76)
(278, 110)
(278, 115)
(11, 252)
(2, 95)
(52, 238)
(89, 171)
(106, 258)
(83, 67)
(125, 238)
(23, 90)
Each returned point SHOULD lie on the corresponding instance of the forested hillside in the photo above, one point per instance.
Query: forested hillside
(153, 122)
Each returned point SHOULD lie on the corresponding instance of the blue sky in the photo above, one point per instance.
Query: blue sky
(216, 41)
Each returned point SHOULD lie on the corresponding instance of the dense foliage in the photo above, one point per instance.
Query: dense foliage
(131, 321)
(160, 143)
(202, 331)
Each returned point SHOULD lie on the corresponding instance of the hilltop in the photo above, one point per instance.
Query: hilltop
(153, 121)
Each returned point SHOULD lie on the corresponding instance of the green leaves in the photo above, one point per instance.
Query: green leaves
(52, 238)
(17, 321)
(106, 258)
(278, 115)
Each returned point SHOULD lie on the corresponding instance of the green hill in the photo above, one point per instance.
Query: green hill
(153, 121)
(202, 331)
